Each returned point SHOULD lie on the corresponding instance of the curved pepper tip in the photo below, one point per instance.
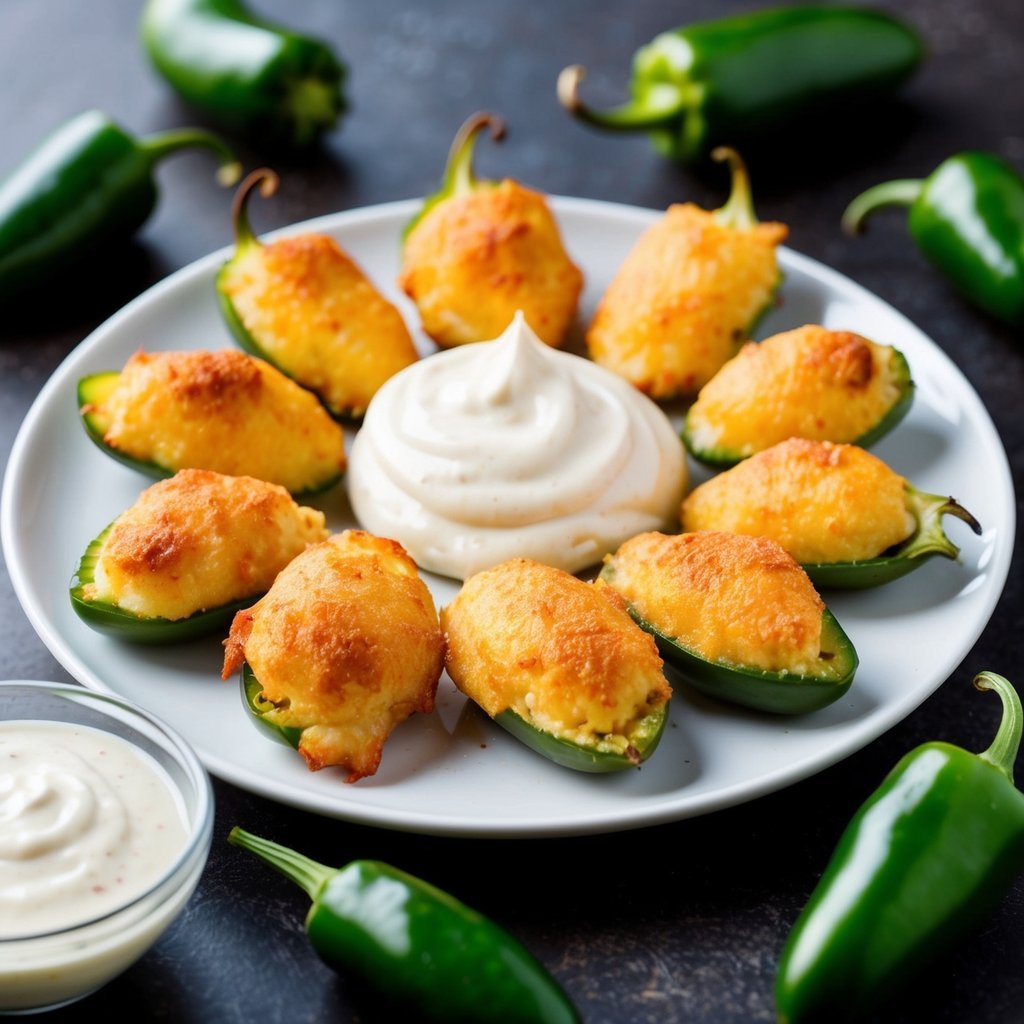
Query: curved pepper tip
(474, 124)
(267, 181)
(738, 210)
(568, 87)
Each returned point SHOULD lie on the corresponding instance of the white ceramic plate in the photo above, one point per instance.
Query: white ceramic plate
(454, 772)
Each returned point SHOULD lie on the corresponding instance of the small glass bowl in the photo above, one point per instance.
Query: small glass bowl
(43, 971)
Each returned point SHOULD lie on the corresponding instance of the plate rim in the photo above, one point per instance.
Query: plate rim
(856, 735)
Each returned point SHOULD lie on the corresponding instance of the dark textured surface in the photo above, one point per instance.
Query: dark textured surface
(677, 923)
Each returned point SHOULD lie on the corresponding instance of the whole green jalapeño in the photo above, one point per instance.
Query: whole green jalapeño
(748, 76)
(932, 850)
(418, 949)
(967, 218)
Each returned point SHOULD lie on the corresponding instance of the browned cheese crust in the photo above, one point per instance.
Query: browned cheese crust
(475, 259)
(347, 644)
(810, 382)
(316, 315)
(201, 540)
(224, 411)
(822, 502)
(561, 653)
(737, 600)
(684, 300)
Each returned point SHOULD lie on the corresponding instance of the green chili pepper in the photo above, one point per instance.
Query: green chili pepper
(415, 944)
(967, 217)
(926, 856)
(274, 85)
(737, 78)
(88, 184)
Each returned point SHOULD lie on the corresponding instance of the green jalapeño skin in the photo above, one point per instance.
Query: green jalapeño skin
(276, 86)
(930, 852)
(596, 756)
(414, 945)
(88, 184)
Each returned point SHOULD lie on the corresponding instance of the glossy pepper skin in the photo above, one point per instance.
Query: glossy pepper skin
(274, 85)
(967, 218)
(415, 944)
(928, 854)
(88, 184)
(733, 79)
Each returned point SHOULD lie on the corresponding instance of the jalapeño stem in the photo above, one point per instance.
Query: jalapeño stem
(738, 211)
(658, 106)
(458, 172)
(308, 874)
(1003, 751)
(902, 192)
(267, 181)
(155, 147)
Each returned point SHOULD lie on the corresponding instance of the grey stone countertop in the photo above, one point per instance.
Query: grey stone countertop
(679, 922)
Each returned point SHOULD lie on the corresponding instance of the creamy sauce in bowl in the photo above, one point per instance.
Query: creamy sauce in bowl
(87, 824)
(510, 448)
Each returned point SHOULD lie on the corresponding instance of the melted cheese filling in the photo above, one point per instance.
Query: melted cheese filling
(474, 260)
(561, 653)
(347, 644)
(811, 382)
(684, 299)
(198, 541)
(223, 411)
(313, 311)
(821, 502)
(741, 601)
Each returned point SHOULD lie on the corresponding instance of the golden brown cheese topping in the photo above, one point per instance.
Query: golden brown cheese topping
(224, 411)
(810, 382)
(474, 260)
(200, 540)
(822, 502)
(314, 312)
(741, 601)
(347, 644)
(561, 653)
(683, 301)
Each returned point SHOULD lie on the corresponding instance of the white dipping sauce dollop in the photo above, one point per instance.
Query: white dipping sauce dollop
(508, 449)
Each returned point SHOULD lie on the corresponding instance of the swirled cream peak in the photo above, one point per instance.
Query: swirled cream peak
(510, 448)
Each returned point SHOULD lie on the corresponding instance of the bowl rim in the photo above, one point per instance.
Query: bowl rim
(200, 825)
